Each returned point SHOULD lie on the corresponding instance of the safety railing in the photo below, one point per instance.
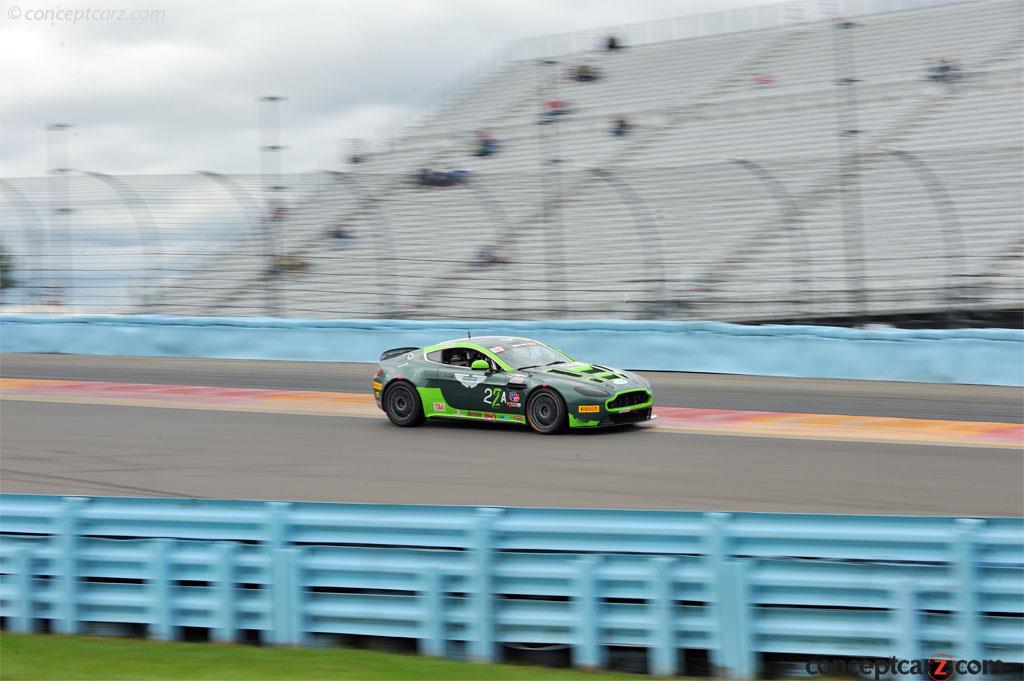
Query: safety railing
(466, 582)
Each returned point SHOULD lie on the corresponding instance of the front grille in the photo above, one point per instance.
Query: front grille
(629, 399)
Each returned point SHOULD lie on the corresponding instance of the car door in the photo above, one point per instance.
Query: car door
(477, 391)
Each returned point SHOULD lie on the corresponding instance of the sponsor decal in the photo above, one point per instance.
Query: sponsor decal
(409, 356)
(517, 378)
(488, 415)
(439, 406)
(497, 348)
(376, 385)
(516, 417)
(469, 380)
(589, 408)
(494, 396)
(474, 414)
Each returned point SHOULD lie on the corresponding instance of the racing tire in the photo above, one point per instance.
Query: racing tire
(546, 412)
(402, 404)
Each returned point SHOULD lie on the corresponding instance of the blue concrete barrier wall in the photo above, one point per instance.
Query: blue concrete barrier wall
(981, 356)
(464, 581)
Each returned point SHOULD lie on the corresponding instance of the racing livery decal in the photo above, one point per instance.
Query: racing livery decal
(494, 397)
(469, 380)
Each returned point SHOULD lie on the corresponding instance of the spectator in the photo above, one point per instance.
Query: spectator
(288, 263)
(485, 143)
(611, 43)
(585, 73)
(490, 255)
(278, 214)
(426, 177)
(621, 127)
(944, 71)
(553, 110)
(338, 233)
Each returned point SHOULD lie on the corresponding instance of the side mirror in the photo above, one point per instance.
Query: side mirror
(480, 364)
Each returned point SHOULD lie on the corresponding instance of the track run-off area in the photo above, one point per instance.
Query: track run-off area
(310, 431)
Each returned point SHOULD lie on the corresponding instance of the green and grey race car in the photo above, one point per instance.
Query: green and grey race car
(509, 380)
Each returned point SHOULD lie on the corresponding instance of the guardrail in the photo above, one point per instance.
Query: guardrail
(463, 581)
(981, 356)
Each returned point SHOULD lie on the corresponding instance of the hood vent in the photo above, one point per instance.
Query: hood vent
(563, 373)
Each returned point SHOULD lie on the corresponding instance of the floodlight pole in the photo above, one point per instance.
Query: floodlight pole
(844, 60)
(59, 212)
(270, 173)
(551, 191)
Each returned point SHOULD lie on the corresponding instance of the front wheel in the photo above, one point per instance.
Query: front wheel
(403, 406)
(546, 411)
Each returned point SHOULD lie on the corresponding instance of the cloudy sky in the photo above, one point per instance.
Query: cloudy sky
(177, 92)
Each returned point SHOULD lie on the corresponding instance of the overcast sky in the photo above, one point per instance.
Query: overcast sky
(177, 93)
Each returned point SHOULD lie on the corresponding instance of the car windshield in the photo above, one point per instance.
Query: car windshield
(528, 354)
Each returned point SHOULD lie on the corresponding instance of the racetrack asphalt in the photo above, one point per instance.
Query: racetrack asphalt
(62, 448)
(706, 391)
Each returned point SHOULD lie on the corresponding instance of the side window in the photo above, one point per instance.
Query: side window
(434, 356)
(461, 357)
(458, 357)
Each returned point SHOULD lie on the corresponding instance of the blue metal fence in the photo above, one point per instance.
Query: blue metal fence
(982, 356)
(463, 581)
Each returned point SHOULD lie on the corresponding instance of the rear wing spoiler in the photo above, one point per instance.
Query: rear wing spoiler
(395, 352)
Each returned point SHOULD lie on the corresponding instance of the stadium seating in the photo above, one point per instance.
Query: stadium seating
(725, 200)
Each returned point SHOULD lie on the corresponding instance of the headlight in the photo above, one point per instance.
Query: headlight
(590, 392)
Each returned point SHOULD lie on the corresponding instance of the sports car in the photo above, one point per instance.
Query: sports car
(510, 380)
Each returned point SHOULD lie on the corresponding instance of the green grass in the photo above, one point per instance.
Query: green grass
(73, 658)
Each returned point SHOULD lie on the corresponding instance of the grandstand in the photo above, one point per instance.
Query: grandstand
(733, 197)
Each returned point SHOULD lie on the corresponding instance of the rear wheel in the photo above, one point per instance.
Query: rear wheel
(402, 405)
(545, 411)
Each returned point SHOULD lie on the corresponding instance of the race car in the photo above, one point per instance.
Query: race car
(508, 380)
